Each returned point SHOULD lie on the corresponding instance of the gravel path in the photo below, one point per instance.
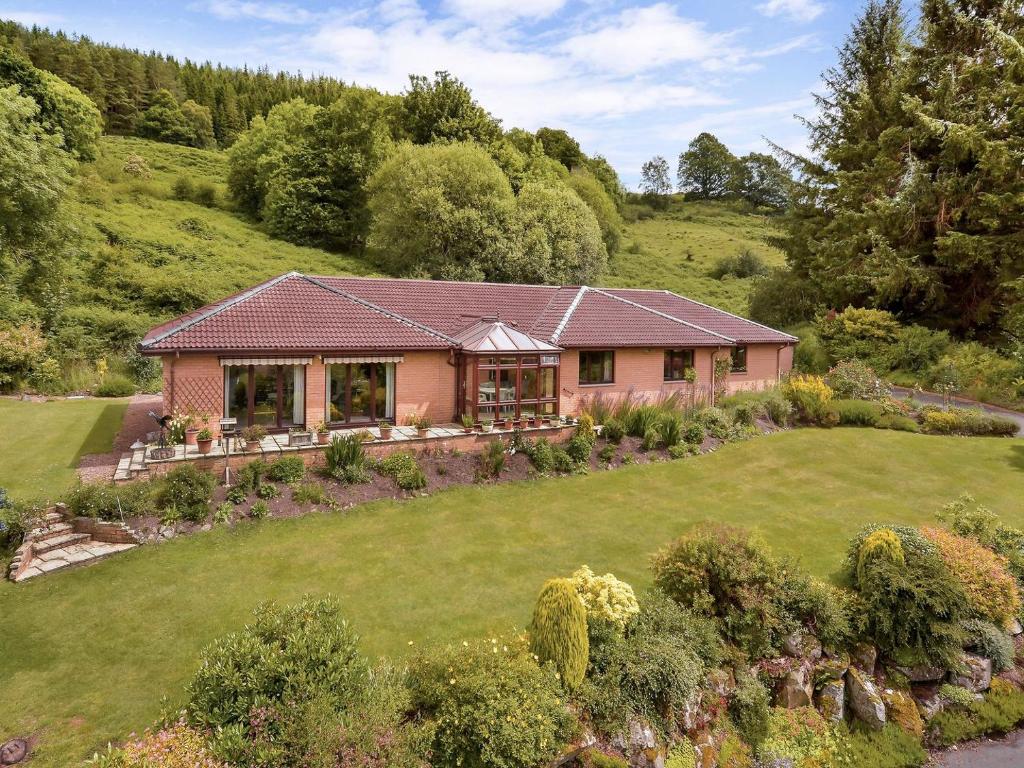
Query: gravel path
(101, 466)
(936, 399)
(1007, 752)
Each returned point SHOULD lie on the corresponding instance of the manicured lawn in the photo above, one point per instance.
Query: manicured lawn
(86, 655)
(40, 443)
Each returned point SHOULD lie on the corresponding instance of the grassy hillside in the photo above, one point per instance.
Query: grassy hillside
(675, 249)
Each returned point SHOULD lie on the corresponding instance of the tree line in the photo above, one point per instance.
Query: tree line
(707, 170)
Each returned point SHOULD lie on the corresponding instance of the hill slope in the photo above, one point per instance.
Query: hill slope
(676, 248)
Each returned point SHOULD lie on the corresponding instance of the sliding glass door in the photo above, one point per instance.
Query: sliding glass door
(360, 393)
(268, 395)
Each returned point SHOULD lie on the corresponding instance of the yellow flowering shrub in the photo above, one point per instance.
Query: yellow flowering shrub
(991, 591)
(177, 746)
(809, 394)
(883, 543)
(605, 597)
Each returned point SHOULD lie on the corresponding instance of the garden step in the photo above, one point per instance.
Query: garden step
(59, 542)
(51, 531)
(53, 517)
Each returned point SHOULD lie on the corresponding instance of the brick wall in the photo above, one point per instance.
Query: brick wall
(316, 392)
(194, 383)
(765, 362)
(425, 384)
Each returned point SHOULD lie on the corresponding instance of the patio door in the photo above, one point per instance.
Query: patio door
(268, 395)
(360, 393)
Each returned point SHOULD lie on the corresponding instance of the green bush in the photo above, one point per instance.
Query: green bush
(259, 510)
(967, 421)
(490, 705)
(411, 478)
(492, 459)
(558, 631)
(747, 412)
(579, 448)
(1000, 711)
(642, 418)
(107, 501)
(988, 640)
(855, 380)
(891, 747)
(205, 194)
(917, 348)
(115, 385)
(694, 433)
(563, 461)
(715, 422)
(652, 439)
(744, 264)
(670, 429)
(896, 422)
(613, 431)
(182, 188)
(914, 609)
(237, 494)
(857, 413)
(289, 656)
(309, 493)
(187, 489)
(345, 459)
(287, 469)
(607, 453)
(268, 491)
(799, 737)
(542, 455)
(749, 708)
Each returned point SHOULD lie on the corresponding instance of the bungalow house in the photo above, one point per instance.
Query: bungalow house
(298, 350)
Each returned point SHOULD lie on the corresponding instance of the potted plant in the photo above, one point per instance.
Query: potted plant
(524, 422)
(467, 423)
(252, 436)
(423, 425)
(537, 420)
(323, 433)
(501, 422)
(204, 440)
(487, 425)
(191, 433)
(385, 429)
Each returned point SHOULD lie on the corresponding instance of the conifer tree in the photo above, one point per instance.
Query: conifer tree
(558, 631)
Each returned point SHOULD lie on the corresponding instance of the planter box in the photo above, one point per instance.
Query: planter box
(158, 454)
(300, 438)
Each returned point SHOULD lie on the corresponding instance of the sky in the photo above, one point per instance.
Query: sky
(629, 80)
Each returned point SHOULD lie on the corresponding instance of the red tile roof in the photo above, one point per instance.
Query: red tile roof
(296, 312)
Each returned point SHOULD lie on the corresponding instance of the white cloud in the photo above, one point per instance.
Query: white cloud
(278, 13)
(31, 18)
(797, 10)
(502, 12)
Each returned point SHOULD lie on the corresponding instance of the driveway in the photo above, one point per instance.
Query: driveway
(987, 753)
(936, 399)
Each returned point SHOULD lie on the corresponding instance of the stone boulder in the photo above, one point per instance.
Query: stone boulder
(864, 656)
(976, 675)
(831, 701)
(902, 710)
(922, 673)
(802, 645)
(864, 699)
(830, 668)
(640, 745)
(796, 689)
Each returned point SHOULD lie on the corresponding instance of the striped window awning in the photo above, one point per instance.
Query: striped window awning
(338, 359)
(266, 360)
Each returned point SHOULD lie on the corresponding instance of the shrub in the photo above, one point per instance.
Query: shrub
(809, 395)
(882, 543)
(107, 501)
(268, 491)
(652, 438)
(670, 429)
(287, 469)
(259, 510)
(749, 708)
(205, 194)
(991, 591)
(855, 380)
(857, 413)
(250, 475)
(966, 421)
(682, 755)
(182, 188)
(642, 418)
(558, 631)
(173, 746)
(988, 640)
(309, 493)
(605, 598)
(861, 334)
(579, 448)
(727, 574)
(607, 453)
(747, 412)
(890, 747)
(223, 513)
(490, 705)
(896, 422)
(542, 455)
(411, 478)
(345, 459)
(613, 431)
(591, 758)
(976, 369)
(492, 459)
(1000, 711)
(954, 694)
(563, 461)
(187, 489)
(237, 494)
(288, 656)
(913, 609)
(744, 264)
(694, 433)
(799, 737)
(585, 428)
(983, 525)
(683, 450)
(115, 385)
(917, 348)
(715, 422)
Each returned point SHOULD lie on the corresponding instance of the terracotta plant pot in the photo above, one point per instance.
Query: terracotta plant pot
(422, 432)
(252, 445)
(205, 446)
(385, 433)
(536, 421)
(190, 436)
(524, 423)
(467, 430)
(323, 437)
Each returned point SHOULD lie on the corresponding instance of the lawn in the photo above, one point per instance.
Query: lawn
(676, 248)
(42, 442)
(88, 654)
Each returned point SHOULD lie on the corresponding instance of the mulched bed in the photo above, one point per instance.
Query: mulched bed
(442, 471)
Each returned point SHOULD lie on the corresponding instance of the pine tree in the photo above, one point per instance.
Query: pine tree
(558, 631)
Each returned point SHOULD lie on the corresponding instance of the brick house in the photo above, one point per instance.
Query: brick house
(298, 350)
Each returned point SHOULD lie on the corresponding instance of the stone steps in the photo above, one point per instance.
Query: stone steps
(74, 555)
(51, 531)
(59, 542)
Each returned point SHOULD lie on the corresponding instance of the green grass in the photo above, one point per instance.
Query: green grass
(42, 442)
(655, 251)
(88, 654)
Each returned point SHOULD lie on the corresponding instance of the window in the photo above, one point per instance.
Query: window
(739, 360)
(510, 386)
(268, 395)
(597, 367)
(676, 363)
(360, 392)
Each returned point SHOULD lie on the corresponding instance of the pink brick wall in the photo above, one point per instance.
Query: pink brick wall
(765, 362)
(194, 383)
(425, 384)
(316, 392)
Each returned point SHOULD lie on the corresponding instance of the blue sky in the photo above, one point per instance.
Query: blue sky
(628, 79)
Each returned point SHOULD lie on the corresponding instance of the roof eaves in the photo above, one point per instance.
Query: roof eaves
(386, 312)
(665, 315)
(568, 314)
(244, 296)
(730, 314)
